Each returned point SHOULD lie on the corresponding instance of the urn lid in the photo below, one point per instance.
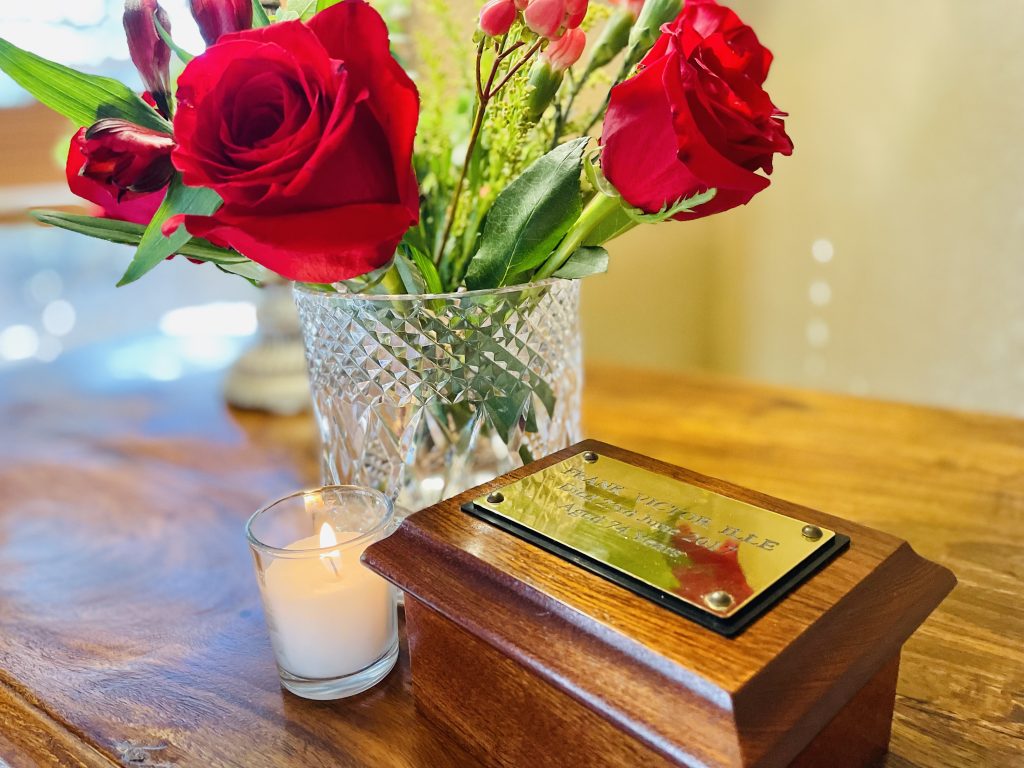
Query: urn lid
(653, 667)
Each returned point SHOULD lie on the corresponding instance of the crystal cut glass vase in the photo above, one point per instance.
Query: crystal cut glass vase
(422, 397)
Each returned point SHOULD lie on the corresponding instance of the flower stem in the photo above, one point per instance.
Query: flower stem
(474, 135)
(598, 209)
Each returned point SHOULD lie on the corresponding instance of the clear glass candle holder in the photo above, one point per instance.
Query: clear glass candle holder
(333, 622)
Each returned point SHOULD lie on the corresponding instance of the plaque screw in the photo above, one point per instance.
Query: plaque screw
(719, 599)
(811, 532)
(495, 498)
(590, 457)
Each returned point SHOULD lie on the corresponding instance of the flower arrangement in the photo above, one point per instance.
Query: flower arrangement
(298, 143)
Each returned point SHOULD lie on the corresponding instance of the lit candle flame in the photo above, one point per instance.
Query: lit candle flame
(329, 539)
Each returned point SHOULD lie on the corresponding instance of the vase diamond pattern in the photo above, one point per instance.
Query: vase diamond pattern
(424, 397)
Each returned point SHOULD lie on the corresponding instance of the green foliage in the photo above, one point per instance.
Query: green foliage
(617, 223)
(127, 233)
(299, 9)
(529, 217)
(428, 270)
(682, 205)
(584, 262)
(81, 98)
(646, 31)
(259, 15)
(154, 247)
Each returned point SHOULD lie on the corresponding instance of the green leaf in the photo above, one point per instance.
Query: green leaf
(180, 52)
(412, 279)
(259, 15)
(298, 9)
(585, 261)
(682, 205)
(250, 270)
(127, 233)
(322, 5)
(154, 247)
(505, 412)
(81, 98)
(364, 283)
(529, 217)
(611, 227)
(429, 271)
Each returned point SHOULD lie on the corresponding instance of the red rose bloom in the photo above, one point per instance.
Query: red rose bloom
(695, 116)
(104, 171)
(306, 132)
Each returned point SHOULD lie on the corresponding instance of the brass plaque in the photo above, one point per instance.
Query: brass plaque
(709, 557)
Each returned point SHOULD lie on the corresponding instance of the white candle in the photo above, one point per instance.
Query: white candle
(328, 615)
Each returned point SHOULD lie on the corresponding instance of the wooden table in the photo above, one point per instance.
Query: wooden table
(130, 626)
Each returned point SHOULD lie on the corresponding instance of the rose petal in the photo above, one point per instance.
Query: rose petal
(308, 246)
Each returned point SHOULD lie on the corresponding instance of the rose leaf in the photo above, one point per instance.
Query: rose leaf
(585, 261)
(529, 217)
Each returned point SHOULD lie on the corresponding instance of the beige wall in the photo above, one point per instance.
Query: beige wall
(908, 120)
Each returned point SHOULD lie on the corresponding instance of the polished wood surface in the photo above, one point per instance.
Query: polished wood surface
(130, 628)
(756, 699)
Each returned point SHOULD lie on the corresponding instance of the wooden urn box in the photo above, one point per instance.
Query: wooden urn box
(600, 608)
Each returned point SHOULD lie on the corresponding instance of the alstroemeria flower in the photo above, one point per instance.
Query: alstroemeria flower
(218, 17)
(149, 53)
(126, 156)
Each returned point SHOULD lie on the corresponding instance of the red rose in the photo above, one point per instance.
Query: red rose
(105, 171)
(695, 116)
(306, 132)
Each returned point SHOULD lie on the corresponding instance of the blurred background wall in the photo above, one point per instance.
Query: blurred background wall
(886, 259)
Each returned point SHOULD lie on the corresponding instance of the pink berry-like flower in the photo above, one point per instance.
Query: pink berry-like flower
(566, 50)
(551, 18)
(576, 12)
(497, 17)
(545, 17)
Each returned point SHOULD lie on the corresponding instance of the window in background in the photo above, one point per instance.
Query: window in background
(57, 289)
(86, 34)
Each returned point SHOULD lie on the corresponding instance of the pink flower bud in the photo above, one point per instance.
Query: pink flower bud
(150, 54)
(576, 12)
(126, 158)
(545, 17)
(497, 16)
(566, 50)
(550, 18)
(218, 17)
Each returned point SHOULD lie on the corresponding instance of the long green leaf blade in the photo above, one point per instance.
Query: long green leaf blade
(426, 266)
(529, 217)
(154, 247)
(81, 98)
(126, 233)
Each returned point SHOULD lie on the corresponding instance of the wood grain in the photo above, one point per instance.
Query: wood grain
(756, 699)
(129, 616)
